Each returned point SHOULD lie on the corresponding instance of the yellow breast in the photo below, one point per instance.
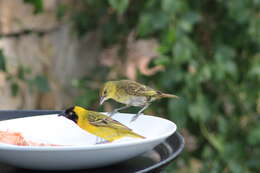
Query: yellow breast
(106, 133)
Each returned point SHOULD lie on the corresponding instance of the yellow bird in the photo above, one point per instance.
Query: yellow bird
(130, 93)
(99, 124)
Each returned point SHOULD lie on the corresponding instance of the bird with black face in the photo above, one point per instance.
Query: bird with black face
(99, 124)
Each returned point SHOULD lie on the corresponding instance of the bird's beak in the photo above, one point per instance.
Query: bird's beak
(62, 114)
(102, 100)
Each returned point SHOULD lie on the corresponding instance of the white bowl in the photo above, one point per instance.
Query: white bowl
(80, 151)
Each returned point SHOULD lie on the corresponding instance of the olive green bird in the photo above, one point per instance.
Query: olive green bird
(130, 93)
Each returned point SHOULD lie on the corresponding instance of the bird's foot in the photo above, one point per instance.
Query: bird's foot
(112, 113)
(100, 141)
(135, 117)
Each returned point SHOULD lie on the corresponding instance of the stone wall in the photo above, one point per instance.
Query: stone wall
(56, 52)
(49, 46)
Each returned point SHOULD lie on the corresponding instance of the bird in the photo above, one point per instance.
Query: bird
(130, 93)
(98, 124)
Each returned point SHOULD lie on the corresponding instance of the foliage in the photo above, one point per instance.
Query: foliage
(38, 5)
(22, 76)
(210, 51)
(2, 61)
(119, 5)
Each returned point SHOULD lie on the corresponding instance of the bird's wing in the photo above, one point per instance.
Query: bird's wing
(134, 88)
(98, 119)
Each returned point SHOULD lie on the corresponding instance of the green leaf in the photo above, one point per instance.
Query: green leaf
(222, 125)
(151, 22)
(204, 73)
(224, 52)
(178, 111)
(255, 67)
(38, 5)
(162, 61)
(41, 83)
(173, 6)
(168, 39)
(87, 98)
(254, 160)
(119, 5)
(215, 140)
(254, 136)
(14, 89)
(200, 109)
(235, 166)
(2, 61)
(183, 50)
(239, 10)
(254, 29)
(22, 71)
(187, 22)
(61, 11)
(224, 63)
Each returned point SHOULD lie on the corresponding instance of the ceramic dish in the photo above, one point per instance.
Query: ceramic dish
(79, 150)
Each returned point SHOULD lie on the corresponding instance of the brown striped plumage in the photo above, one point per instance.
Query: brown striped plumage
(131, 93)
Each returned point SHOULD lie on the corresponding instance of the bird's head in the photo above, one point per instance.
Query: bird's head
(74, 113)
(107, 91)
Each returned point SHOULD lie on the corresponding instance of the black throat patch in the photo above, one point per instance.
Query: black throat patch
(70, 114)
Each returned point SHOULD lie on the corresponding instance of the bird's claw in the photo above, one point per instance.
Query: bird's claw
(135, 117)
(100, 141)
(110, 114)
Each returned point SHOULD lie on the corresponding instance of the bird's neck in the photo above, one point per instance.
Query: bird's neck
(84, 124)
(83, 113)
(112, 91)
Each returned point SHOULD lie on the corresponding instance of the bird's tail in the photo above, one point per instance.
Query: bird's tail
(135, 135)
(169, 95)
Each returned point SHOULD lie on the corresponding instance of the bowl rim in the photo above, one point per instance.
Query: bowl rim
(4, 146)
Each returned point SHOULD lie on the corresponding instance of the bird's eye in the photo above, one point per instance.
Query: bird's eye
(105, 92)
(72, 116)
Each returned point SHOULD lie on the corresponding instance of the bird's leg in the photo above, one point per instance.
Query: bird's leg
(100, 140)
(139, 113)
(97, 140)
(118, 109)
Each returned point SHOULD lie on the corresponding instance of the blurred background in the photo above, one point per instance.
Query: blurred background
(55, 54)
